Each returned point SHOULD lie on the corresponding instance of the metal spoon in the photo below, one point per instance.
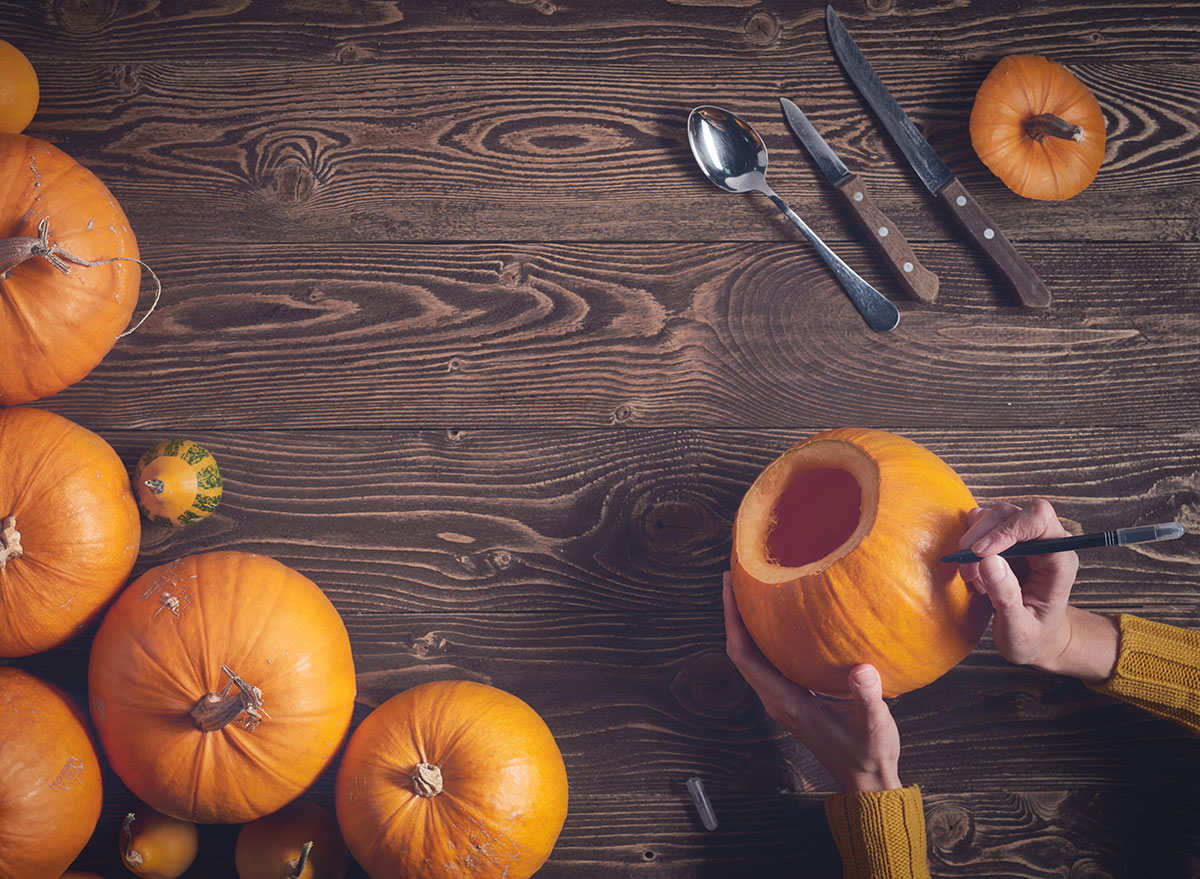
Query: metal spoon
(734, 157)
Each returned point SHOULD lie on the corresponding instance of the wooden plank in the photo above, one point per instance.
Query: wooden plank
(507, 521)
(405, 151)
(975, 835)
(491, 30)
(652, 335)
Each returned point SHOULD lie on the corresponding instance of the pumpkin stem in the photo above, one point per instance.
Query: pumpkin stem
(427, 780)
(10, 541)
(1048, 125)
(132, 858)
(296, 867)
(156, 486)
(14, 251)
(216, 711)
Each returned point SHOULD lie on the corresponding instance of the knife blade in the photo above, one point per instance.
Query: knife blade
(920, 283)
(933, 172)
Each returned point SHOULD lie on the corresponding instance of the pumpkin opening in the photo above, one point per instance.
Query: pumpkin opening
(807, 510)
(814, 515)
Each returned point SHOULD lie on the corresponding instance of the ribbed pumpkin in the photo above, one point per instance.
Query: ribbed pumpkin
(1038, 128)
(69, 529)
(221, 685)
(177, 482)
(50, 788)
(58, 318)
(454, 780)
(836, 561)
(300, 841)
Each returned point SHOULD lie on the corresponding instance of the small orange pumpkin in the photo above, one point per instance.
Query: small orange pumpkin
(18, 89)
(69, 529)
(221, 685)
(1038, 128)
(836, 561)
(454, 780)
(300, 841)
(155, 845)
(50, 787)
(177, 482)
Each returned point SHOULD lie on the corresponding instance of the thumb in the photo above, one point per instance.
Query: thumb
(866, 687)
(1001, 585)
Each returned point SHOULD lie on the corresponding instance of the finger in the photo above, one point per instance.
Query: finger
(983, 522)
(866, 687)
(1002, 587)
(772, 688)
(1036, 522)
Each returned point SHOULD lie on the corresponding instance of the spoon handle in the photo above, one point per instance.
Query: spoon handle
(877, 310)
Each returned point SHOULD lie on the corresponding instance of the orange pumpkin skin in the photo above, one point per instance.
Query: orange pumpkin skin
(69, 529)
(221, 685)
(494, 786)
(274, 847)
(155, 845)
(1011, 128)
(80, 874)
(55, 327)
(50, 788)
(19, 91)
(875, 591)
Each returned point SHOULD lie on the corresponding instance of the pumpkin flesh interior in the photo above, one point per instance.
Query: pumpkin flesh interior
(807, 510)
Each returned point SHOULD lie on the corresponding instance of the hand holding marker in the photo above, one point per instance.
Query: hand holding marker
(1119, 537)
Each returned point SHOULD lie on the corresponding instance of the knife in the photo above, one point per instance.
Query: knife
(920, 283)
(933, 171)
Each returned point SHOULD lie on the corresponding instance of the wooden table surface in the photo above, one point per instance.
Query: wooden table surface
(480, 351)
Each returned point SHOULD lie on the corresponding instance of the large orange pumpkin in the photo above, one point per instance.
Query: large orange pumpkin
(69, 529)
(454, 780)
(50, 789)
(221, 685)
(58, 317)
(836, 561)
(1038, 128)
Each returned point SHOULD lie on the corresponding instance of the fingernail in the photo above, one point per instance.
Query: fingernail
(992, 569)
(864, 677)
(982, 546)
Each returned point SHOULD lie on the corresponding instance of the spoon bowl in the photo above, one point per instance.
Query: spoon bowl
(733, 156)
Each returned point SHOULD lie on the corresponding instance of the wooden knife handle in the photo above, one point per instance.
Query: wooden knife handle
(999, 249)
(920, 283)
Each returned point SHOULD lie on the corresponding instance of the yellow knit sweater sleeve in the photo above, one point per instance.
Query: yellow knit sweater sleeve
(880, 834)
(1158, 669)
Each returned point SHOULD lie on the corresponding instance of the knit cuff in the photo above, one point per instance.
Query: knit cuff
(880, 834)
(1158, 669)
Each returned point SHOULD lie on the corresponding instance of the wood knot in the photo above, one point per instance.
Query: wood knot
(951, 829)
(127, 78)
(710, 686)
(294, 182)
(762, 29)
(347, 53)
(879, 5)
(83, 16)
(545, 7)
(621, 414)
(676, 526)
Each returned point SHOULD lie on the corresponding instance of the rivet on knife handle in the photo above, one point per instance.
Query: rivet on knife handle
(995, 245)
(920, 283)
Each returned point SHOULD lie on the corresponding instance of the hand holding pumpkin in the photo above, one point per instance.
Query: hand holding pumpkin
(857, 741)
(1034, 624)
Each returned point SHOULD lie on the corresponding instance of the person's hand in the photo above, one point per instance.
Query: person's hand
(857, 741)
(1034, 624)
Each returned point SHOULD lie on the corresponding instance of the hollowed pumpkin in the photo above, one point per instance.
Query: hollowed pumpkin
(50, 787)
(836, 550)
(221, 686)
(452, 780)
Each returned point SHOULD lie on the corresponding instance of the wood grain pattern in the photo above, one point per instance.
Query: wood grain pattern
(509, 335)
(505, 521)
(598, 30)
(481, 352)
(526, 152)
